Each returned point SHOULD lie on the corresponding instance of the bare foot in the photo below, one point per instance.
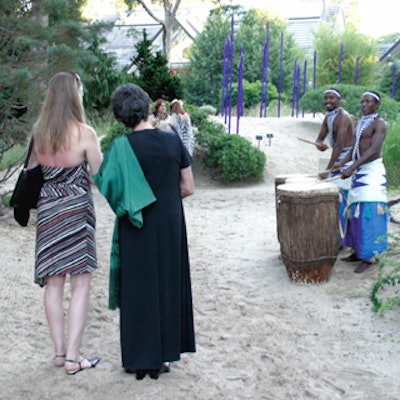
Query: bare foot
(59, 360)
(364, 265)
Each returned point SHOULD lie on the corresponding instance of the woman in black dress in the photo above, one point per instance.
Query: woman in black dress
(154, 289)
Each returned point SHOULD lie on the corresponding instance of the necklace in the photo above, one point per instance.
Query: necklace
(364, 122)
(331, 115)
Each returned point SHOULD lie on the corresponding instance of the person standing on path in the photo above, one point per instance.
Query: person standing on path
(368, 214)
(68, 151)
(181, 124)
(159, 118)
(338, 127)
(144, 177)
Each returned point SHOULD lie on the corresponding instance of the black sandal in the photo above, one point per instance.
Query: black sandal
(92, 361)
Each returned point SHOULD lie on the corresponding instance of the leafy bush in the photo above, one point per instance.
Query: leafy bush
(391, 153)
(210, 110)
(232, 157)
(197, 116)
(312, 101)
(252, 92)
(384, 294)
(208, 132)
(117, 129)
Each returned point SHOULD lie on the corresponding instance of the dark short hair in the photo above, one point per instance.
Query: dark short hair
(130, 104)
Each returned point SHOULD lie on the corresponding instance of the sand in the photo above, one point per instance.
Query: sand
(259, 334)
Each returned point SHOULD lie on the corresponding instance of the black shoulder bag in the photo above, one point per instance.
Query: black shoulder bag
(27, 190)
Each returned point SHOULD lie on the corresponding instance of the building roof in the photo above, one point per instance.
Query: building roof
(305, 26)
(122, 39)
(389, 52)
(128, 31)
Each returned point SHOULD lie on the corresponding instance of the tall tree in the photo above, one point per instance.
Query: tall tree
(37, 39)
(251, 36)
(204, 78)
(152, 72)
(327, 45)
(169, 23)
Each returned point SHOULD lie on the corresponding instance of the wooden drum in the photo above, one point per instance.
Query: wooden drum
(308, 228)
(292, 178)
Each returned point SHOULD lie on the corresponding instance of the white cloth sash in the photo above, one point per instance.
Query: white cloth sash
(368, 183)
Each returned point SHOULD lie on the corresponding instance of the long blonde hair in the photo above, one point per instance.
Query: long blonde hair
(62, 107)
(176, 107)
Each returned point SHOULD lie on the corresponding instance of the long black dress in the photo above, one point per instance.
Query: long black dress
(156, 313)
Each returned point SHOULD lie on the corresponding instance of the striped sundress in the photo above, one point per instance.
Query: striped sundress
(66, 222)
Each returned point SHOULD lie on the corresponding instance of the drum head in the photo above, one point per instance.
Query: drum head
(308, 188)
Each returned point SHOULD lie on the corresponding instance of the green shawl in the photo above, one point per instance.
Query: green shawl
(122, 182)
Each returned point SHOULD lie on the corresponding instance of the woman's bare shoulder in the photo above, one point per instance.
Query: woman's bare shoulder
(87, 133)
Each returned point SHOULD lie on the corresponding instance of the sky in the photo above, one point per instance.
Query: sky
(378, 17)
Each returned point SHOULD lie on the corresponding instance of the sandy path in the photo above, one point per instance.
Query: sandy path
(259, 336)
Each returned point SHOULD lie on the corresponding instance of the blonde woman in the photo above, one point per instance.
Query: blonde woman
(69, 153)
(180, 124)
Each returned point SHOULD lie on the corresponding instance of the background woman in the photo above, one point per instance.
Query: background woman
(180, 124)
(159, 118)
(68, 151)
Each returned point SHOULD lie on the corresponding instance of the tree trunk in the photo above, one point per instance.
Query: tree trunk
(168, 32)
(38, 15)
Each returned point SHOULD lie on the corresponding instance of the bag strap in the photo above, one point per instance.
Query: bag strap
(28, 154)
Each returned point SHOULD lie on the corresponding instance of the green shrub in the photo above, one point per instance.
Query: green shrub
(231, 156)
(13, 156)
(312, 101)
(5, 198)
(117, 129)
(238, 160)
(208, 132)
(252, 92)
(197, 116)
(384, 293)
(391, 153)
(208, 109)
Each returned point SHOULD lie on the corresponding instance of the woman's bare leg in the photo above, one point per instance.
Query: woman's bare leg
(53, 304)
(77, 317)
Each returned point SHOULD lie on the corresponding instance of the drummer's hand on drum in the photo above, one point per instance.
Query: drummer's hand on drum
(336, 167)
(347, 172)
(323, 175)
(321, 146)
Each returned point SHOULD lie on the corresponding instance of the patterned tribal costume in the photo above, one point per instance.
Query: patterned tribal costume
(368, 215)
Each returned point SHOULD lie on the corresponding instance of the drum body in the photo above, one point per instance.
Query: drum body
(292, 178)
(308, 230)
